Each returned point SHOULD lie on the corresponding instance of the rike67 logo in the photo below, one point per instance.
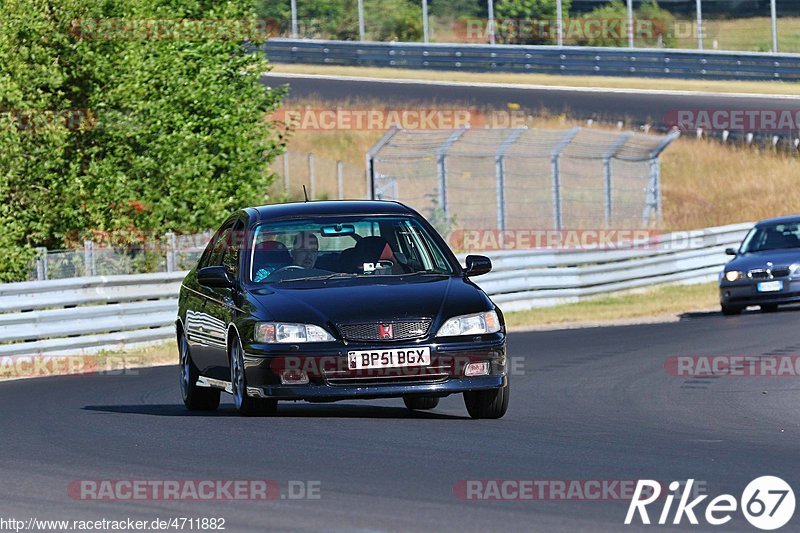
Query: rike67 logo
(767, 503)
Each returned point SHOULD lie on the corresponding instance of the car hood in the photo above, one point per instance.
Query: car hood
(778, 258)
(350, 301)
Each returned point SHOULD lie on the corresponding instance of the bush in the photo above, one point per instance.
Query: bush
(528, 21)
(655, 26)
(163, 134)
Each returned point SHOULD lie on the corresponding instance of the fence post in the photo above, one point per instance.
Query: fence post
(41, 263)
(500, 174)
(555, 162)
(653, 195)
(612, 151)
(490, 7)
(340, 180)
(699, 24)
(370, 160)
(171, 252)
(425, 21)
(441, 170)
(361, 29)
(560, 22)
(286, 172)
(774, 16)
(88, 258)
(294, 19)
(631, 42)
(311, 183)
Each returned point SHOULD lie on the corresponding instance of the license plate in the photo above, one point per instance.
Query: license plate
(770, 286)
(400, 357)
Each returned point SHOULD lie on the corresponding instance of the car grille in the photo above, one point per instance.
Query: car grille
(778, 272)
(385, 376)
(370, 331)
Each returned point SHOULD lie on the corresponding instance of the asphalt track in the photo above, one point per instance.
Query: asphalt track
(630, 107)
(589, 404)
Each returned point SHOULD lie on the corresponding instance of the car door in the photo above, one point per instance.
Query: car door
(205, 324)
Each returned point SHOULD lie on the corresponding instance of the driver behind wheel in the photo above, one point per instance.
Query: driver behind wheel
(305, 249)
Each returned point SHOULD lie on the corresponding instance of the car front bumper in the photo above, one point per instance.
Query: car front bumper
(330, 380)
(743, 294)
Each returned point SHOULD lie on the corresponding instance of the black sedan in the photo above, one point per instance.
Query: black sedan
(766, 268)
(326, 301)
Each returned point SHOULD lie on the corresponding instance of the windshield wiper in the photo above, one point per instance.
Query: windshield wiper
(320, 278)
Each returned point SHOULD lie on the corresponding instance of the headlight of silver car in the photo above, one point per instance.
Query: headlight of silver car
(281, 332)
(733, 275)
(475, 324)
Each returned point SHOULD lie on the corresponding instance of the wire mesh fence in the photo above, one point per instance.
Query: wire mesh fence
(324, 178)
(505, 179)
(729, 25)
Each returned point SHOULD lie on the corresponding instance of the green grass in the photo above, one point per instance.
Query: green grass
(665, 302)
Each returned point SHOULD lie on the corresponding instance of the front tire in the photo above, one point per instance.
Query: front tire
(245, 404)
(194, 398)
(420, 403)
(491, 403)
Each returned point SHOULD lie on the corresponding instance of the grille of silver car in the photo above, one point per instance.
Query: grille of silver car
(370, 331)
(761, 273)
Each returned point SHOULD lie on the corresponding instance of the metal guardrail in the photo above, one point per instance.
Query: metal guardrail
(69, 315)
(577, 60)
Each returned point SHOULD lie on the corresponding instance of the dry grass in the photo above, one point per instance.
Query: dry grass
(765, 87)
(666, 303)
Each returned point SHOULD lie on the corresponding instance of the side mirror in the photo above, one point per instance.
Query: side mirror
(730, 251)
(477, 265)
(214, 276)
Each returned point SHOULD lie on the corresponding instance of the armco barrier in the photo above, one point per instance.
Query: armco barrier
(65, 316)
(577, 60)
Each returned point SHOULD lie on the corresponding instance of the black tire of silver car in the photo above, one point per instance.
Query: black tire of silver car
(492, 403)
(194, 398)
(420, 403)
(246, 405)
(730, 310)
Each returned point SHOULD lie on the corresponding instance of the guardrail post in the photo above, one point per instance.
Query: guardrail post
(339, 180)
(172, 252)
(441, 170)
(311, 183)
(500, 173)
(555, 157)
(88, 258)
(41, 263)
(370, 157)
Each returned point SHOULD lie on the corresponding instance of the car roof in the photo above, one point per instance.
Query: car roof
(329, 207)
(792, 219)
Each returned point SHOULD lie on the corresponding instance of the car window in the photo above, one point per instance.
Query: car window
(772, 237)
(232, 247)
(355, 246)
(220, 244)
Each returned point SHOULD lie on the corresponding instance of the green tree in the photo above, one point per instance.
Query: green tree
(528, 21)
(173, 136)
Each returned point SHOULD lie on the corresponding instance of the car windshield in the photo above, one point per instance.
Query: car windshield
(344, 247)
(772, 237)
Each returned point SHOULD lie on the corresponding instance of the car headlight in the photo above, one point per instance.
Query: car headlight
(281, 332)
(475, 324)
(733, 275)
